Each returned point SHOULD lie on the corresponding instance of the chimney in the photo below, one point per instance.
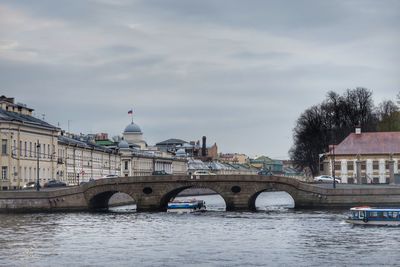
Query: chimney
(204, 149)
(358, 129)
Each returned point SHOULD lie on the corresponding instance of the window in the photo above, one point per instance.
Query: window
(4, 146)
(34, 149)
(48, 151)
(20, 148)
(126, 165)
(4, 173)
(363, 165)
(387, 165)
(350, 166)
(30, 149)
(375, 165)
(26, 149)
(337, 166)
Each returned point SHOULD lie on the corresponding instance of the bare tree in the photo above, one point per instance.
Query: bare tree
(389, 116)
(329, 123)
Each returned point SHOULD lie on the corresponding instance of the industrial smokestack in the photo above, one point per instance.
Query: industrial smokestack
(204, 149)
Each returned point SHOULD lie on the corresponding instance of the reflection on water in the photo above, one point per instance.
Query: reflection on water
(271, 237)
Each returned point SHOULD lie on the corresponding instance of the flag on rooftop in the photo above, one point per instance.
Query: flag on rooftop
(130, 111)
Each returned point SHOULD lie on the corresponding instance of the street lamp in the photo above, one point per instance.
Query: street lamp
(333, 160)
(37, 161)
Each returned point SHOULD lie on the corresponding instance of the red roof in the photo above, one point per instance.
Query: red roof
(370, 143)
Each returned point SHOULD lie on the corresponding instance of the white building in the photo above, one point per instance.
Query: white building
(372, 157)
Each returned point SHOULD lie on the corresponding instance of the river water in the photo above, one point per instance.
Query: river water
(273, 236)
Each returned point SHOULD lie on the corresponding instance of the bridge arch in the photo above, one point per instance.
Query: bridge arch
(98, 198)
(173, 192)
(271, 187)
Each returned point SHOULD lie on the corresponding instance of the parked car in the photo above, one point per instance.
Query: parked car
(55, 183)
(30, 185)
(110, 176)
(327, 178)
(265, 172)
(162, 172)
(200, 172)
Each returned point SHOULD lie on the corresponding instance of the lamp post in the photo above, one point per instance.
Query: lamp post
(333, 158)
(37, 161)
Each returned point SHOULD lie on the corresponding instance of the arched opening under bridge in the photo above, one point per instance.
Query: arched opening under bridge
(268, 200)
(213, 200)
(114, 201)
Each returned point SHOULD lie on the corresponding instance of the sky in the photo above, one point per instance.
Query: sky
(238, 72)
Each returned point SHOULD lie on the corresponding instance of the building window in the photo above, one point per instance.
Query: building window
(48, 151)
(4, 173)
(26, 149)
(387, 165)
(350, 166)
(30, 149)
(363, 165)
(375, 165)
(4, 146)
(20, 148)
(126, 165)
(338, 166)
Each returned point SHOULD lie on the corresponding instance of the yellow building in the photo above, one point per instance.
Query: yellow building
(24, 139)
(32, 148)
(234, 158)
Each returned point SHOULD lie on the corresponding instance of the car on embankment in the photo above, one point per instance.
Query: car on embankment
(29, 185)
(54, 183)
(326, 179)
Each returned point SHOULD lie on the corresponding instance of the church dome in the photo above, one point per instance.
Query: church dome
(123, 144)
(132, 128)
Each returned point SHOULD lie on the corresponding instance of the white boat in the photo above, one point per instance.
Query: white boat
(186, 206)
(374, 216)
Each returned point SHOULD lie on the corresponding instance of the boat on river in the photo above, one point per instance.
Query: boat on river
(374, 216)
(186, 206)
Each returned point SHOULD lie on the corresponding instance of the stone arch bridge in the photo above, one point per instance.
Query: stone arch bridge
(152, 193)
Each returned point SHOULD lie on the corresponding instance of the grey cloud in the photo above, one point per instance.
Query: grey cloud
(238, 72)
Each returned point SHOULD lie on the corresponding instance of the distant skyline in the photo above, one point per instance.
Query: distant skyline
(238, 72)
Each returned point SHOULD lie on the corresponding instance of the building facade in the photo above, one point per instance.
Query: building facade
(234, 158)
(34, 150)
(81, 160)
(372, 157)
(25, 141)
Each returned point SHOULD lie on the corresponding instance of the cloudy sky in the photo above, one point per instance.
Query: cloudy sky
(239, 72)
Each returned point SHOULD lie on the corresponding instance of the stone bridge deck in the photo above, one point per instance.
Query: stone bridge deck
(152, 193)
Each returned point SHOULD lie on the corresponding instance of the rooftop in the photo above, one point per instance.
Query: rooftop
(18, 117)
(369, 143)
